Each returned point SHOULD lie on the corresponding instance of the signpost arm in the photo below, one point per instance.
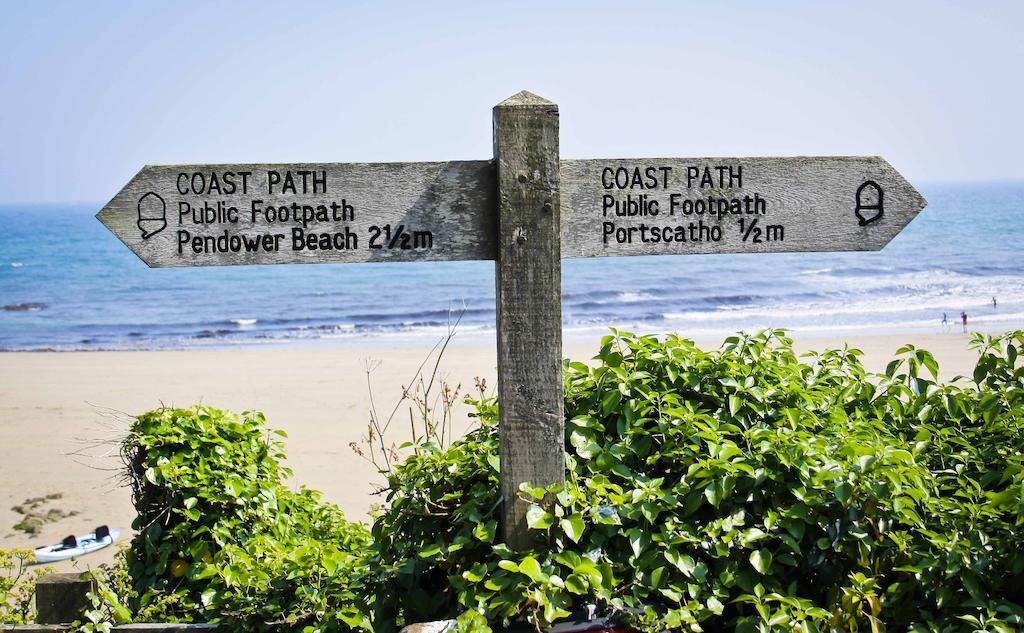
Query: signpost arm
(529, 310)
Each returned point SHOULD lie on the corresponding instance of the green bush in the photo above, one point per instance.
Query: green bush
(739, 489)
(220, 539)
(736, 489)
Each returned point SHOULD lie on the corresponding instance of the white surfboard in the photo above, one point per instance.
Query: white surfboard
(74, 546)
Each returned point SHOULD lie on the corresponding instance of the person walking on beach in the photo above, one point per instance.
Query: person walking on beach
(963, 319)
(945, 322)
(993, 303)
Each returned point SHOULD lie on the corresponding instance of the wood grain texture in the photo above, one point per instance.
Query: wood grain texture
(453, 201)
(813, 199)
(529, 310)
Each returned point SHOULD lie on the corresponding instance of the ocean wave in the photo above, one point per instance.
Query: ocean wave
(903, 282)
(633, 297)
(870, 311)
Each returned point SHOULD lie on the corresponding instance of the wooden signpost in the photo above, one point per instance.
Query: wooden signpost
(526, 209)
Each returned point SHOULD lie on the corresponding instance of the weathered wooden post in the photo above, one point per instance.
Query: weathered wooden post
(61, 598)
(529, 306)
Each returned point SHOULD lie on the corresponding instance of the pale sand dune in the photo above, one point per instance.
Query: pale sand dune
(50, 401)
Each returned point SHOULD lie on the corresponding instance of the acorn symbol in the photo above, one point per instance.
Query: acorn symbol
(869, 199)
(152, 215)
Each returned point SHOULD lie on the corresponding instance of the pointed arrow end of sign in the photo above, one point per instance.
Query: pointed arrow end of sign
(106, 217)
(908, 201)
(121, 217)
(918, 201)
(524, 98)
(102, 215)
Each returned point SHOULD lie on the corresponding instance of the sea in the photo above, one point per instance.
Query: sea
(66, 283)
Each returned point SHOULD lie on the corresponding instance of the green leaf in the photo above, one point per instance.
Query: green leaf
(538, 519)
(531, 568)
(638, 541)
(207, 596)
(476, 573)
(761, 560)
(576, 584)
(494, 462)
(681, 561)
(573, 527)
(430, 552)
(713, 493)
(791, 543)
(750, 536)
(843, 492)
(508, 565)
(715, 605)
(485, 531)
(656, 577)
(734, 404)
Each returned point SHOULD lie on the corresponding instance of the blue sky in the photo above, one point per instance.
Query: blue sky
(92, 91)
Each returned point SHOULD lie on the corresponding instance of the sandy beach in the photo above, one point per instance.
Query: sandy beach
(54, 406)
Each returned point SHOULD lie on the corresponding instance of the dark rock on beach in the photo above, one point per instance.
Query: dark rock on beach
(23, 307)
(34, 518)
